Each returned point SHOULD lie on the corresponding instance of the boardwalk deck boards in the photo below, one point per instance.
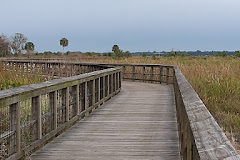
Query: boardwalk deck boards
(139, 123)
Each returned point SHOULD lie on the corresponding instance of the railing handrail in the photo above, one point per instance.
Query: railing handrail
(8, 96)
(200, 135)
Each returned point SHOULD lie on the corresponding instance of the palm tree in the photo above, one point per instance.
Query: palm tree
(63, 43)
(29, 47)
(115, 48)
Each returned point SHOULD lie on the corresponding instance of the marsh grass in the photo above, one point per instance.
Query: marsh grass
(10, 78)
(215, 79)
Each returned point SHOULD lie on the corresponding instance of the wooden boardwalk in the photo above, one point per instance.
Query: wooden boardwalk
(138, 123)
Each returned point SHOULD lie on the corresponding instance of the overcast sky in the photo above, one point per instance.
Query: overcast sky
(135, 25)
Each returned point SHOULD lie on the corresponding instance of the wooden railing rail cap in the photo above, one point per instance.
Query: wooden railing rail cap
(209, 138)
(17, 94)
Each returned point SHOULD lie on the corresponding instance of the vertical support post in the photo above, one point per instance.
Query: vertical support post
(18, 128)
(119, 80)
(151, 76)
(143, 73)
(75, 110)
(93, 91)
(13, 127)
(112, 84)
(104, 87)
(53, 105)
(36, 107)
(160, 75)
(167, 76)
(123, 74)
(64, 105)
(115, 81)
(67, 104)
(86, 96)
(99, 90)
(77, 100)
(133, 73)
(108, 86)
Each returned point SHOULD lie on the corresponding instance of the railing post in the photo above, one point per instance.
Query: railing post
(104, 87)
(99, 90)
(143, 73)
(123, 74)
(86, 95)
(115, 81)
(167, 76)
(36, 107)
(18, 128)
(93, 91)
(53, 105)
(14, 126)
(111, 83)
(133, 73)
(108, 86)
(67, 104)
(77, 100)
(151, 76)
(75, 110)
(160, 74)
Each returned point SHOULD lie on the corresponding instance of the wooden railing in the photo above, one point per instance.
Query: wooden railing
(32, 115)
(152, 73)
(200, 136)
(52, 69)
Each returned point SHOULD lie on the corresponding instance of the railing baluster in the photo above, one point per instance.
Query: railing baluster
(123, 73)
(167, 75)
(12, 126)
(115, 82)
(36, 107)
(104, 88)
(53, 105)
(151, 76)
(143, 73)
(160, 74)
(86, 95)
(133, 73)
(99, 90)
(111, 83)
(18, 128)
(93, 91)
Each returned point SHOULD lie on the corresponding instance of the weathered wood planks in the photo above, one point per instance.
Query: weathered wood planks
(139, 123)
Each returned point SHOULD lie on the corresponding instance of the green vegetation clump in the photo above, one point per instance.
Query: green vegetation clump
(222, 54)
(237, 54)
(11, 78)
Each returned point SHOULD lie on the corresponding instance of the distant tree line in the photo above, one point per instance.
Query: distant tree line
(14, 45)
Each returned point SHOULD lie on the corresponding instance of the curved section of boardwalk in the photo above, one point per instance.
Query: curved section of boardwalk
(138, 123)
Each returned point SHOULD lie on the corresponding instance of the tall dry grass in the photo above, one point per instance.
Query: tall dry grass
(215, 79)
(10, 78)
